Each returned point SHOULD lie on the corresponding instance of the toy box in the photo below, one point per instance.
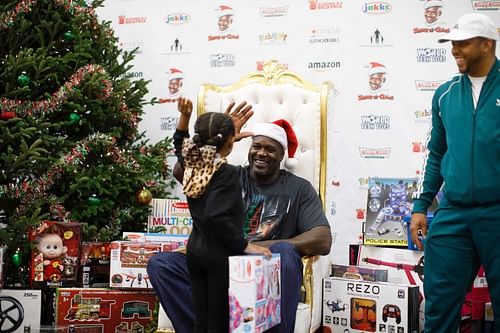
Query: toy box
(98, 310)
(366, 306)
(129, 260)
(407, 220)
(178, 241)
(170, 216)
(389, 201)
(254, 293)
(20, 310)
(359, 273)
(56, 257)
(94, 264)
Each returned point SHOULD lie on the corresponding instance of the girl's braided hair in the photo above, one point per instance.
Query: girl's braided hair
(213, 128)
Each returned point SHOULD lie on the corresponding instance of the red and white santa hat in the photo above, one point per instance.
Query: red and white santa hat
(224, 10)
(281, 131)
(433, 3)
(175, 73)
(377, 68)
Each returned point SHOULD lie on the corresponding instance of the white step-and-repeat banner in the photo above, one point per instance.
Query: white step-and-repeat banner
(382, 57)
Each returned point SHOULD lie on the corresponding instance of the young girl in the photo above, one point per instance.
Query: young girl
(213, 192)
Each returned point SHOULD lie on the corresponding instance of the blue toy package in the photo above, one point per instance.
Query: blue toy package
(406, 220)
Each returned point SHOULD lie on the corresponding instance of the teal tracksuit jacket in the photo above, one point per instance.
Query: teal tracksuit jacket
(463, 154)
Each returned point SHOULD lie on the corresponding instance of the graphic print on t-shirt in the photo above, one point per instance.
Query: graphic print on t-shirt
(264, 215)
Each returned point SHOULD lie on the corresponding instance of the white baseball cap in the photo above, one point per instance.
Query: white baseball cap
(470, 26)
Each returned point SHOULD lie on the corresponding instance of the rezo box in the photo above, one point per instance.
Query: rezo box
(254, 293)
(365, 306)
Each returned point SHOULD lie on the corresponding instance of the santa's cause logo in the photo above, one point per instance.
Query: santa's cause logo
(225, 20)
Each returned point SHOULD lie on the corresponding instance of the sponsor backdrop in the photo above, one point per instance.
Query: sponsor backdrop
(382, 57)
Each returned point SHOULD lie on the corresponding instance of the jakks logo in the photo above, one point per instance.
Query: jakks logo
(372, 122)
(431, 55)
(177, 18)
(376, 8)
(122, 19)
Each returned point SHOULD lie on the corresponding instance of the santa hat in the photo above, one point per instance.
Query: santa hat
(376, 68)
(281, 131)
(433, 3)
(175, 73)
(224, 10)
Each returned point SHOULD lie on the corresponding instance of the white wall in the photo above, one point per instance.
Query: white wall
(339, 36)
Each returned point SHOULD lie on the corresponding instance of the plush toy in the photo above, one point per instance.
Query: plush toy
(51, 246)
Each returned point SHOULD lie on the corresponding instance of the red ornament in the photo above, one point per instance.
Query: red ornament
(5, 115)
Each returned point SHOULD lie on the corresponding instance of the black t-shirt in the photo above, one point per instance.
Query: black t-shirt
(281, 210)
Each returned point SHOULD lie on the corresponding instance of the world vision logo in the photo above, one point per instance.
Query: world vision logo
(431, 55)
(122, 19)
(379, 153)
(376, 8)
(424, 85)
(177, 18)
(321, 5)
(485, 5)
(373, 122)
(168, 123)
(422, 116)
(222, 60)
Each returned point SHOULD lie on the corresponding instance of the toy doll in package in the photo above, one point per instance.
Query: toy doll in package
(56, 253)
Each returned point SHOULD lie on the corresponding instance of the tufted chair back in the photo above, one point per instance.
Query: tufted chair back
(276, 93)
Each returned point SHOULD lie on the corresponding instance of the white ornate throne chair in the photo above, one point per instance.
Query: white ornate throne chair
(276, 93)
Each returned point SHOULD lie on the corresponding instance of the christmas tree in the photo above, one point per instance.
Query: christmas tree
(70, 149)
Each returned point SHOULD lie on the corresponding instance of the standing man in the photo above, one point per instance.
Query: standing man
(270, 194)
(463, 158)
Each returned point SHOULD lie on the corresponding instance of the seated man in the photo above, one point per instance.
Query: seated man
(272, 195)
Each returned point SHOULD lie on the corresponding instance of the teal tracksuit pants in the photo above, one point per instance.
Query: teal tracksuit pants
(458, 241)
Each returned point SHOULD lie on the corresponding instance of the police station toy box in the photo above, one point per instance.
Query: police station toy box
(99, 310)
(20, 310)
(170, 216)
(254, 293)
(366, 306)
(129, 260)
(389, 201)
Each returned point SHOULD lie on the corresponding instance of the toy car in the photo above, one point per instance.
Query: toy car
(382, 231)
(398, 232)
(391, 311)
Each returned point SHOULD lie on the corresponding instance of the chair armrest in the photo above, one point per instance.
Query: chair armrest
(316, 268)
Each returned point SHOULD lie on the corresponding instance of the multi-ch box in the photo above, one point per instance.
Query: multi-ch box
(170, 216)
(366, 306)
(254, 293)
